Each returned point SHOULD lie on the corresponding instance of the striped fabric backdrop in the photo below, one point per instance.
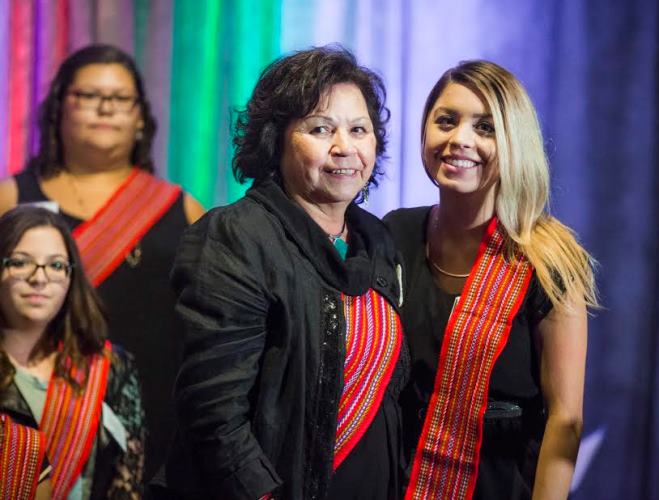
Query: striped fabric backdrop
(200, 60)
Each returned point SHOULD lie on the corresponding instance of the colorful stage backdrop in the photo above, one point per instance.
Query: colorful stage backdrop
(590, 66)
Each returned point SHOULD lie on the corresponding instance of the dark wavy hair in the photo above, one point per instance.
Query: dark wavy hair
(290, 88)
(50, 158)
(80, 325)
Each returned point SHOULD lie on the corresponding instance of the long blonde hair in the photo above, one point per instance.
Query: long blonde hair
(563, 267)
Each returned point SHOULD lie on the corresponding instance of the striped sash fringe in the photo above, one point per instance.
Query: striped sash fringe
(70, 421)
(373, 341)
(447, 455)
(106, 239)
(22, 450)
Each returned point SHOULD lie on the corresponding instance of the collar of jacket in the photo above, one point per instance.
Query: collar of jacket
(13, 404)
(371, 257)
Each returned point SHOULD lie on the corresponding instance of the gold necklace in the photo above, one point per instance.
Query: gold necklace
(434, 264)
(452, 275)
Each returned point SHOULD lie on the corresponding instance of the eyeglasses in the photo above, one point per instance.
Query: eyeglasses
(94, 100)
(22, 268)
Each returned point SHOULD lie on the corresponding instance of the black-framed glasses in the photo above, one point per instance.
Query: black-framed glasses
(94, 100)
(24, 268)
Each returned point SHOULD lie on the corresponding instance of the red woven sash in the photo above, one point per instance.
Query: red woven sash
(106, 239)
(70, 422)
(446, 460)
(21, 453)
(373, 341)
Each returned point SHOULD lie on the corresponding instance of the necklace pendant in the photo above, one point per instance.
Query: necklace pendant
(134, 257)
(341, 247)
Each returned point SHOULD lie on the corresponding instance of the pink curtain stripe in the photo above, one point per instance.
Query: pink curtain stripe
(157, 75)
(44, 27)
(60, 41)
(80, 23)
(50, 43)
(114, 23)
(4, 85)
(20, 64)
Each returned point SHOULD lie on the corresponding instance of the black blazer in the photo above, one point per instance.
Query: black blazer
(260, 295)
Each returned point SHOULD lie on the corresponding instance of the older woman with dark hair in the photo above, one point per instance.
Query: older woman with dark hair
(94, 164)
(289, 298)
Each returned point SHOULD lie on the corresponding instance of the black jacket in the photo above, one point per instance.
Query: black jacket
(260, 295)
(122, 396)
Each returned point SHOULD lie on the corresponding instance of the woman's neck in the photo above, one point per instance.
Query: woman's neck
(455, 231)
(329, 216)
(20, 343)
(109, 172)
(81, 160)
(461, 215)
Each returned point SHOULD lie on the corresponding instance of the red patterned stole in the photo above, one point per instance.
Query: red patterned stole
(70, 422)
(447, 456)
(106, 239)
(373, 339)
(22, 450)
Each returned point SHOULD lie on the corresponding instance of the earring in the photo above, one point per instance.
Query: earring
(365, 194)
(139, 135)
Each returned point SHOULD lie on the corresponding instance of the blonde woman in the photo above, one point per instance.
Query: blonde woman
(496, 297)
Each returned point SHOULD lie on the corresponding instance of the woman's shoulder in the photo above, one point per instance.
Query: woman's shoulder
(192, 208)
(407, 225)
(122, 362)
(123, 377)
(8, 194)
(537, 303)
(233, 230)
(404, 219)
(241, 219)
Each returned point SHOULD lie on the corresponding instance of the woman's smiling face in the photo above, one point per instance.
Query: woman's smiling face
(459, 147)
(329, 155)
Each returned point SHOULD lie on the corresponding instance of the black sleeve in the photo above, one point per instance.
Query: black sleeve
(126, 402)
(538, 304)
(223, 306)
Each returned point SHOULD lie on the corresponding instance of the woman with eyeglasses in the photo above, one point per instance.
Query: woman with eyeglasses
(94, 163)
(71, 417)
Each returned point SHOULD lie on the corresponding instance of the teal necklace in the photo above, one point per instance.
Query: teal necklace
(339, 243)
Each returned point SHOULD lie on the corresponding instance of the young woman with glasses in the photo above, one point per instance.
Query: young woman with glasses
(70, 406)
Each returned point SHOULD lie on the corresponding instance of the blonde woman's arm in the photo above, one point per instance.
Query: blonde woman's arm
(563, 337)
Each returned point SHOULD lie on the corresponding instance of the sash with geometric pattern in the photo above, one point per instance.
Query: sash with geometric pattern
(70, 421)
(22, 450)
(106, 239)
(373, 340)
(447, 455)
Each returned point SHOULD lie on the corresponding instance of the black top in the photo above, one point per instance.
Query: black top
(140, 306)
(515, 377)
(260, 296)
